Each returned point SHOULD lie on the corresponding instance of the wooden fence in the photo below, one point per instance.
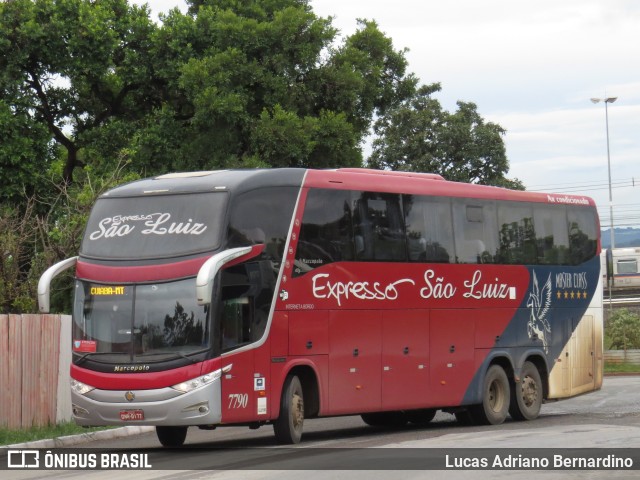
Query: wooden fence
(34, 370)
(622, 356)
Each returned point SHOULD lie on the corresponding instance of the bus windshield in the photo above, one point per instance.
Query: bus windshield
(139, 323)
(154, 226)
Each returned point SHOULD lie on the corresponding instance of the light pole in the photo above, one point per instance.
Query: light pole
(606, 116)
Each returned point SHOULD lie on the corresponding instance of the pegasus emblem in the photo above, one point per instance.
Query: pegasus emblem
(538, 303)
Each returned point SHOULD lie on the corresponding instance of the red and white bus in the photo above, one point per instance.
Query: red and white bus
(271, 296)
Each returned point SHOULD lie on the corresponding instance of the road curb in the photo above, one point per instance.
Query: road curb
(71, 440)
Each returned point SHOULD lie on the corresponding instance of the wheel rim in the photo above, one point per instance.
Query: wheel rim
(297, 411)
(496, 396)
(529, 392)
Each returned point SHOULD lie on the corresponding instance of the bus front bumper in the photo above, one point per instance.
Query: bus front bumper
(163, 406)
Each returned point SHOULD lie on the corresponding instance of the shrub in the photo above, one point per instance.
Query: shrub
(623, 329)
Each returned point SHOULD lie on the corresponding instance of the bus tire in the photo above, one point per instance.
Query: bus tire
(288, 426)
(171, 436)
(385, 419)
(464, 417)
(526, 396)
(495, 398)
(421, 417)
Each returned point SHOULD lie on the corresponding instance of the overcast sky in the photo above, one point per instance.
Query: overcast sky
(531, 67)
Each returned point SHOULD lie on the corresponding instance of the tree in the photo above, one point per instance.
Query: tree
(78, 69)
(418, 135)
(261, 83)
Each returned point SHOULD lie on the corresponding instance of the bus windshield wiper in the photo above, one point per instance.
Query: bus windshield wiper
(174, 355)
(90, 354)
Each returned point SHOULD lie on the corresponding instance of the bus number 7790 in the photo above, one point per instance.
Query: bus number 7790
(238, 400)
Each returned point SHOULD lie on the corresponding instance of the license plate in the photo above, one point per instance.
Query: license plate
(129, 415)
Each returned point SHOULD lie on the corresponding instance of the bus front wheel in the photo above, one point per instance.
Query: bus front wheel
(526, 397)
(288, 426)
(171, 436)
(495, 398)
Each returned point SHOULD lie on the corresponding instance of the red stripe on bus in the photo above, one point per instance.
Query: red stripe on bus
(151, 273)
(146, 273)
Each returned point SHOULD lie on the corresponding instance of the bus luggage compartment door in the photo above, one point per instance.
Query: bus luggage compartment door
(354, 361)
(405, 359)
(452, 337)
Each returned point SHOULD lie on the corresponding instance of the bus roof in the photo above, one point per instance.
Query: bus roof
(429, 184)
(414, 183)
(236, 181)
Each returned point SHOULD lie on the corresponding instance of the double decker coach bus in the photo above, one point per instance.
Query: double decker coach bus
(271, 296)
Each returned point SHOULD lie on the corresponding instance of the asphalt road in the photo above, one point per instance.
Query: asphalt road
(607, 419)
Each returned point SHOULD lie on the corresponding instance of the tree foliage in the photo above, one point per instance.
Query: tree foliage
(418, 135)
(23, 145)
(262, 84)
(623, 329)
(75, 67)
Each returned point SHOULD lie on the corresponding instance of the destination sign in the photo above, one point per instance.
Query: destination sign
(106, 291)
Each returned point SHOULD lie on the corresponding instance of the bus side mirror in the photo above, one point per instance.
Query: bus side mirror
(209, 270)
(44, 284)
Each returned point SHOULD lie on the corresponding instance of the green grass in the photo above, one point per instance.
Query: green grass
(10, 437)
(621, 368)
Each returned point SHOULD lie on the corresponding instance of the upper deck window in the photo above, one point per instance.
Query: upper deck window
(154, 226)
(378, 227)
(347, 225)
(474, 225)
(326, 234)
(429, 229)
(262, 216)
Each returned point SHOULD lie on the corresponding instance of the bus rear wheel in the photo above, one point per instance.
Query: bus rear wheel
(171, 436)
(288, 426)
(526, 397)
(495, 398)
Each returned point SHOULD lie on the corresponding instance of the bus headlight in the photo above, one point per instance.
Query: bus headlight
(190, 385)
(80, 388)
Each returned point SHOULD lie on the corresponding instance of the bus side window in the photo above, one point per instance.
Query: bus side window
(517, 235)
(246, 292)
(262, 216)
(429, 229)
(325, 234)
(235, 323)
(378, 227)
(552, 235)
(583, 238)
(475, 231)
